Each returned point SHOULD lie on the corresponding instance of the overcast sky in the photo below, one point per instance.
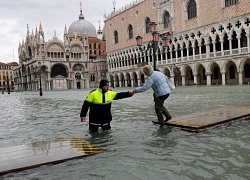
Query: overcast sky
(53, 15)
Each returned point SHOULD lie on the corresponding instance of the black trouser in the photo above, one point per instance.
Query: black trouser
(160, 109)
(94, 128)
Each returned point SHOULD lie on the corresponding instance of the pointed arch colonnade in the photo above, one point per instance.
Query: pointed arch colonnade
(216, 54)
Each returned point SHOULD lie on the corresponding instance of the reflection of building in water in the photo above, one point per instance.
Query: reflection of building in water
(208, 40)
(76, 62)
(80, 146)
(41, 147)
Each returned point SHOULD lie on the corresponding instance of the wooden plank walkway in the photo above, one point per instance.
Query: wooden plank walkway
(23, 157)
(202, 121)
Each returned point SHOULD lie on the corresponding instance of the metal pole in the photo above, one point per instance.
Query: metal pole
(8, 85)
(41, 91)
(154, 55)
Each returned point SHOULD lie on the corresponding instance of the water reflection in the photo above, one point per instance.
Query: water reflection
(134, 148)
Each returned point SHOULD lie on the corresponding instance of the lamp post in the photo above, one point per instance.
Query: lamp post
(154, 44)
(8, 84)
(40, 78)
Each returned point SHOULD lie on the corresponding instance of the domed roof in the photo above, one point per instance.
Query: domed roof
(82, 26)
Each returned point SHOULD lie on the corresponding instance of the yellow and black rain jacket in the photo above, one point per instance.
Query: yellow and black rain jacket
(99, 104)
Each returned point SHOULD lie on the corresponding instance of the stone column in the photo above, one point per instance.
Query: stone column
(208, 78)
(239, 47)
(139, 82)
(248, 43)
(171, 55)
(183, 80)
(230, 44)
(187, 47)
(195, 78)
(222, 46)
(176, 55)
(132, 82)
(207, 43)
(200, 50)
(223, 78)
(181, 53)
(240, 78)
(214, 42)
(193, 46)
(126, 83)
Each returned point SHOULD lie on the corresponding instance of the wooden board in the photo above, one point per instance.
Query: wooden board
(202, 121)
(36, 154)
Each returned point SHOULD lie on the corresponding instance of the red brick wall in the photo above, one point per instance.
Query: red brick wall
(120, 24)
(208, 12)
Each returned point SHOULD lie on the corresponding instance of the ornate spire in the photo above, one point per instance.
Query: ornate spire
(41, 28)
(28, 34)
(99, 30)
(65, 29)
(54, 34)
(81, 16)
(114, 3)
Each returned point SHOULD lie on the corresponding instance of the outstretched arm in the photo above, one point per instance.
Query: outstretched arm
(122, 95)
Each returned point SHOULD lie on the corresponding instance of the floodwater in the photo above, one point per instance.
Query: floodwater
(134, 149)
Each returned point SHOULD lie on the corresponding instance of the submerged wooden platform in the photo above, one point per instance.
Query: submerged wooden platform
(23, 157)
(202, 121)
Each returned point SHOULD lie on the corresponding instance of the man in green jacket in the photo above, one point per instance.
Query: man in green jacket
(99, 102)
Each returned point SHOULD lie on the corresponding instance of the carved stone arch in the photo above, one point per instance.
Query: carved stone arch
(76, 48)
(167, 71)
(51, 43)
(183, 69)
(197, 65)
(78, 67)
(209, 66)
(242, 63)
(59, 69)
(166, 19)
(122, 79)
(225, 63)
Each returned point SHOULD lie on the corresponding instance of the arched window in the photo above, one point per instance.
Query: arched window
(78, 76)
(192, 10)
(147, 24)
(92, 77)
(230, 2)
(116, 37)
(130, 31)
(166, 20)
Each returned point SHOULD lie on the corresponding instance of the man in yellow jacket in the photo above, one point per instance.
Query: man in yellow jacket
(99, 102)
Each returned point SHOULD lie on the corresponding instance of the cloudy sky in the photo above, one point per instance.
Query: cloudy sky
(53, 15)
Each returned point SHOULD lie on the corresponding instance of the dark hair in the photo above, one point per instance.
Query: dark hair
(103, 82)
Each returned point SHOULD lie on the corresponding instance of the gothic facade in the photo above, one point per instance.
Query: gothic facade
(77, 61)
(208, 41)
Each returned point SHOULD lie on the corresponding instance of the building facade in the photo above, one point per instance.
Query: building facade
(7, 76)
(208, 41)
(77, 61)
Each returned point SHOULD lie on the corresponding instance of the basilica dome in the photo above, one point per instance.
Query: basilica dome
(82, 26)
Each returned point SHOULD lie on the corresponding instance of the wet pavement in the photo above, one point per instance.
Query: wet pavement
(134, 148)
